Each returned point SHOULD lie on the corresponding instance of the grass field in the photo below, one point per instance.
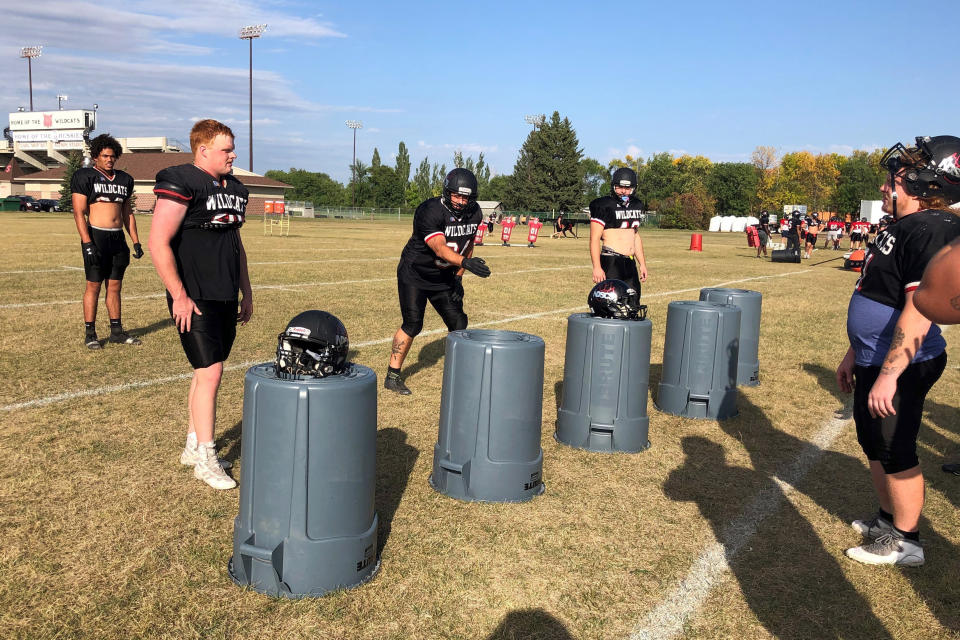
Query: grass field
(733, 529)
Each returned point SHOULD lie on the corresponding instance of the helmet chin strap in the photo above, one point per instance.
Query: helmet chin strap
(893, 193)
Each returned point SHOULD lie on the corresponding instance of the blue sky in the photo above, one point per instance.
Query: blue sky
(710, 78)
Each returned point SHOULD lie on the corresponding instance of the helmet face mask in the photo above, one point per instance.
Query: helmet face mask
(626, 178)
(929, 170)
(616, 299)
(314, 344)
(460, 182)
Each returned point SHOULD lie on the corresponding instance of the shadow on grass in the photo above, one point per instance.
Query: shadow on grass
(792, 584)
(558, 394)
(530, 624)
(429, 355)
(152, 328)
(395, 461)
(228, 444)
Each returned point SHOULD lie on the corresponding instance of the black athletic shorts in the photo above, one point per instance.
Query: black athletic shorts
(856, 237)
(212, 334)
(812, 238)
(114, 255)
(413, 302)
(617, 266)
(893, 440)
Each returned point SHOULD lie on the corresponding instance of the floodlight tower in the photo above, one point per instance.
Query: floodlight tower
(30, 53)
(249, 33)
(354, 124)
(536, 120)
(61, 98)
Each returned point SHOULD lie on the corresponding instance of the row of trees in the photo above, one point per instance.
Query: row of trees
(552, 174)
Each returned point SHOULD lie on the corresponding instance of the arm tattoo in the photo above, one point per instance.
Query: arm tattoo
(897, 341)
(955, 302)
(398, 344)
(889, 370)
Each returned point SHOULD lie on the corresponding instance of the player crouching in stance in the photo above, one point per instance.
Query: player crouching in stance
(616, 250)
(432, 265)
(101, 209)
(896, 354)
(196, 249)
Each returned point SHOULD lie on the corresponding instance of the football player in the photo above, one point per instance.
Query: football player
(196, 249)
(101, 209)
(432, 265)
(616, 250)
(813, 228)
(859, 234)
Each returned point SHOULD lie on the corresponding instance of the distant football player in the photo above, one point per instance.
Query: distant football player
(432, 265)
(859, 234)
(616, 250)
(196, 249)
(101, 209)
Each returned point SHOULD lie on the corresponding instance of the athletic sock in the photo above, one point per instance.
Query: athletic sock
(886, 516)
(393, 372)
(91, 328)
(116, 326)
(192, 440)
(909, 535)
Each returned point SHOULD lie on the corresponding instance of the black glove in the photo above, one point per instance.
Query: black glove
(91, 255)
(476, 266)
(137, 250)
(457, 294)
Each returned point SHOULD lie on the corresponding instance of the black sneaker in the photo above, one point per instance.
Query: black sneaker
(123, 337)
(92, 342)
(394, 383)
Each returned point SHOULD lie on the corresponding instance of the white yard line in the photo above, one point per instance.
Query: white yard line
(683, 602)
(83, 393)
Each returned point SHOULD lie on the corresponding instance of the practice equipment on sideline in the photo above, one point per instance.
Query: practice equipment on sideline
(615, 299)
(533, 231)
(854, 261)
(748, 355)
(696, 242)
(785, 255)
(700, 349)
(488, 446)
(606, 376)
(506, 230)
(314, 344)
(307, 524)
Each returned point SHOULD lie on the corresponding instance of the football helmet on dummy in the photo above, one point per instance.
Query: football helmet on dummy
(314, 344)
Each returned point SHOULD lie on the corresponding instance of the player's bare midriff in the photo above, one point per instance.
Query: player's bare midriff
(619, 240)
(106, 215)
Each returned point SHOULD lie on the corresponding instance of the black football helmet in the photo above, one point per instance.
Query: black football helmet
(314, 344)
(930, 169)
(623, 177)
(616, 299)
(462, 182)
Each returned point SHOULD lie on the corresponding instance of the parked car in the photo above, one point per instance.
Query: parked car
(27, 203)
(48, 205)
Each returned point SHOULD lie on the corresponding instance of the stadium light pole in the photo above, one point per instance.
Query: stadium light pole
(249, 33)
(30, 53)
(354, 124)
(61, 98)
(536, 120)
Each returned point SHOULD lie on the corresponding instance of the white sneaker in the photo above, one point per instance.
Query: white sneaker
(209, 470)
(872, 528)
(889, 548)
(190, 456)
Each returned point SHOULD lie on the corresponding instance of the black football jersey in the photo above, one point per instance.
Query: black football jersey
(612, 213)
(207, 246)
(99, 187)
(419, 265)
(895, 259)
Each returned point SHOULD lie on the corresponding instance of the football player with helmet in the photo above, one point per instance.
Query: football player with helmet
(432, 265)
(896, 354)
(196, 249)
(101, 208)
(616, 250)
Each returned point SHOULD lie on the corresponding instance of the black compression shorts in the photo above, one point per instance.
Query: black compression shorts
(114, 255)
(893, 440)
(812, 238)
(413, 302)
(212, 334)
(617, 266)
(856, 237)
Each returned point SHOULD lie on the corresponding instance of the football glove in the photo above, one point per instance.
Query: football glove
(137, 250)
(91, 255)
(476, 266)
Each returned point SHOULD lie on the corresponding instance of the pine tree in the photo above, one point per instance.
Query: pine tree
(547, 175)
(375, 161)
(74, 162)
(403, 164)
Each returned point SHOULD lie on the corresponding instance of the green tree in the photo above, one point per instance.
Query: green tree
(859, 179)
(375, 160)
(74, 162)
(318, 188)
(733, 186)
(658, 180)
(437, 174)
(596, 180)
(421, 183)
(498, 190)
(403, 164)
(480, 170)
(358, 190)
(386, 188)
(547, 173)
